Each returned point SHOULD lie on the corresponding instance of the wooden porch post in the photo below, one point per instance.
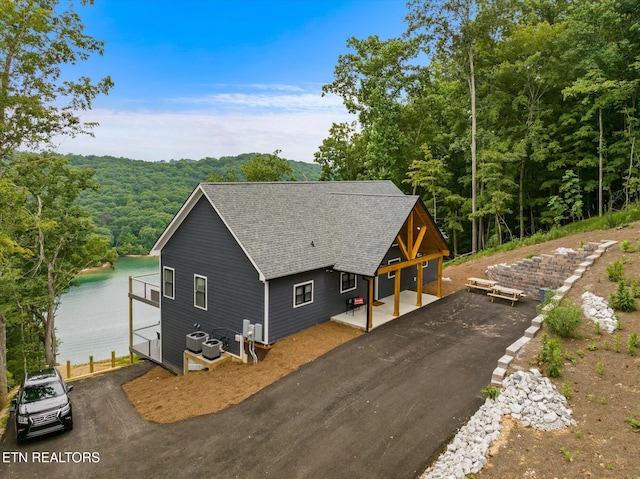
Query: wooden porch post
(419, 286)
(439, 288)
(396, 293)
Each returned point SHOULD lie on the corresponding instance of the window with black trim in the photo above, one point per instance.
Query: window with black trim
(302, 294)
(347, 282)
(168, 282)
(200, 291)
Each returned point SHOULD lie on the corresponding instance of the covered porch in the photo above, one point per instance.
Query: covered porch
(383, 310)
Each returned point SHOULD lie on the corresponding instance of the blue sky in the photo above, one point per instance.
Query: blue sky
(197, 78)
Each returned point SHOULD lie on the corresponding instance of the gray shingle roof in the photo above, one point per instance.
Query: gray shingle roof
(292, 227)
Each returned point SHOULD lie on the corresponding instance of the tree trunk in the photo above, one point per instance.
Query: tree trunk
(3, 359)
(49, 327)
(521, 196)
(472, 93)
(455, 244)
(600, 146)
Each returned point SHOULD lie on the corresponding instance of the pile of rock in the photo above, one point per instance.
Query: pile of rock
(527, 396)
(532, 398)
(597, 310)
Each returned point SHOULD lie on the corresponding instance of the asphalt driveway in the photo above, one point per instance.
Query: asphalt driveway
(381, 406)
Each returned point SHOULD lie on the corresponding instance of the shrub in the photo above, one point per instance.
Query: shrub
(635, 425)
(622, 299)
(625, 246)
(491, 392)
(615, 271)
(632, 344)
(564, 319)
(550, 357)
(566, 390)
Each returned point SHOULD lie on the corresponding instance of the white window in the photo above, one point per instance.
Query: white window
(302, 294)
(392, 274)
(348, 282)
(168, 282)
(200, 291)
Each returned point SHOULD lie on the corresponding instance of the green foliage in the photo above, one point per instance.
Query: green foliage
(615, 271)
(268, 168)
(623, 299)
(632, 344)
(38, 39)
(137, 199)
(635, 424)
(600, 366)
(550, 356)
(626, 246)
(566, 390)
(569, 203)
(564, 319)
(544, 109)
(491, 392)
(52, 240)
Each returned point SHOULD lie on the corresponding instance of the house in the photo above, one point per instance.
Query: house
(288, 255)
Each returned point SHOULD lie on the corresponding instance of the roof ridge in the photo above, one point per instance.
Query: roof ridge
(392, 195)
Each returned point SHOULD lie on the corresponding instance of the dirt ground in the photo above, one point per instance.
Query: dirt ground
(601, 445)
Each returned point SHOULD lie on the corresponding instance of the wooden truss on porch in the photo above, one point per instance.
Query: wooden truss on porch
(419, 241)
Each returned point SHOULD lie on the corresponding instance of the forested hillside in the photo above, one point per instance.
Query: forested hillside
(137, 199)
(508, 117)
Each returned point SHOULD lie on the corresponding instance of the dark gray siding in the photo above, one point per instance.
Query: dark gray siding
(285, 320)
(203, 245)
(430, 272)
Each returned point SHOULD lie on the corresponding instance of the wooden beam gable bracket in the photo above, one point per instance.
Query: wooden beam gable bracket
(410, 246)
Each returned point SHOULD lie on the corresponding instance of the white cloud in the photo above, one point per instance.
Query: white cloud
(304, 101)
(154, 136)
(253, 118)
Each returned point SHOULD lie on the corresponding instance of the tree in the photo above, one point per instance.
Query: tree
(374, 81)
(601, 43)
(525, 88)
(37, 38)
(431, 174)
(11, 219)
(448, 28)
(57, 233)
(337, 154)
(267, 168)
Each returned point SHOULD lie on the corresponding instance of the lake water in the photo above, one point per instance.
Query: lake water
(93, 318)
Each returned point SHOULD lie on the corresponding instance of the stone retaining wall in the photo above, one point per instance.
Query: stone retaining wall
(544, 271)
(536, 323)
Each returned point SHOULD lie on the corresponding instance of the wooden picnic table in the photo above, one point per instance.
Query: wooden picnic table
(509, 294)
(480, 283)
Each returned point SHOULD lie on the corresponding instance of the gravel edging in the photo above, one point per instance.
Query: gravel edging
(526, 396)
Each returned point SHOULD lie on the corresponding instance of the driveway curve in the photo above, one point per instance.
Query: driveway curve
(382, 405)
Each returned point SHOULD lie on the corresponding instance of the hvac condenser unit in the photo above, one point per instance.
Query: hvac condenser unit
(195, 340)
(211, 349)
